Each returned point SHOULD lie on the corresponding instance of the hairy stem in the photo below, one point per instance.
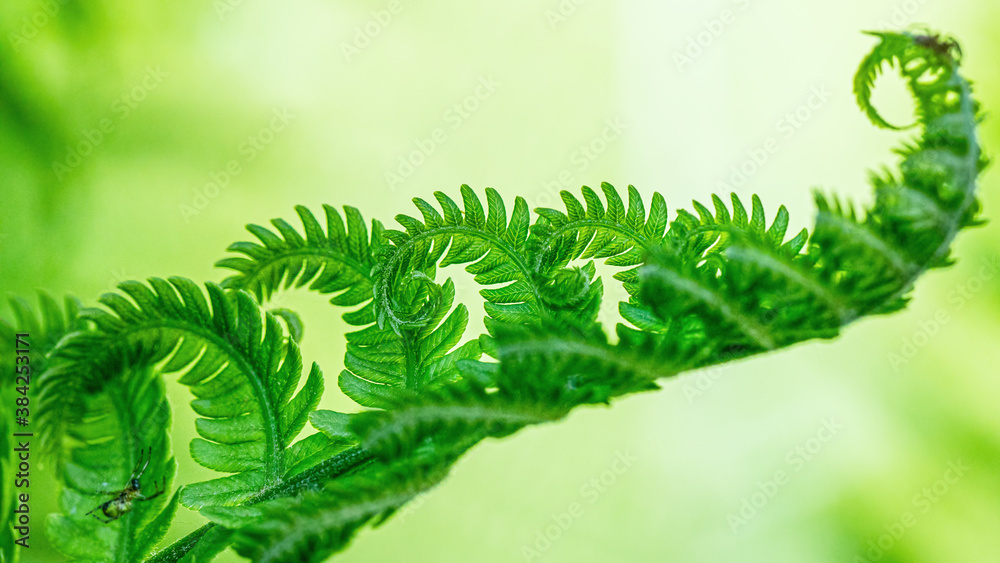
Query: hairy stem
(341, 464)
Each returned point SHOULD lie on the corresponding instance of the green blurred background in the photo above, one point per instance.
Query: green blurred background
(185, 90)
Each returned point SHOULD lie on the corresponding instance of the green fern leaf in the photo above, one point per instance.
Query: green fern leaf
(721, 284)
(339, 260)
(315, 524)
(381, 362)
(117, 426)
(925, 60)
(240, 368)
(382, 366)
(492, 246)
(618, 235)
(695, 237)
(586, 230)
(757, 296)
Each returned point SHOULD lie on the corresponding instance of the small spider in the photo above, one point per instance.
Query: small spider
(122, 501)
(946, 46)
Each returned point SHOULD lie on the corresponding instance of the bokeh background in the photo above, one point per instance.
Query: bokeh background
(315, 102)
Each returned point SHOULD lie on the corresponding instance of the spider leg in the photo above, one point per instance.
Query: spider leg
(99, 519)
(152, 496)
(136, 473)
(135, 470)
(162, 489)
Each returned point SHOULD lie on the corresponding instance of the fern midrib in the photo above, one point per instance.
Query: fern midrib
(637, 239)
(413, 416)
(333, 518)
(411, 360)
(693, 287)
(344, 463)
(859, 231)
(929, 203)
(125, 536)
(556, 345)
(303, 253)
(496, 242)
(834, 301)
(273, 463)
(955, 217)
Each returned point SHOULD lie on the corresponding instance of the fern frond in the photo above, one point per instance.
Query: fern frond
(315, 524)
(49, 325)
(448, 415)
(699, 244)
(241, 369)
(757, 296)
(383, 366)
(205, 543)
(491, 245)
(887, 51)
(590, 230)
(545, 371)
(716, 286)
(339, 260)
(417, 442)
(381, 362)
(926, 61)
(730, 286)
(595, 229)
(573, 366)
(696, 236)
(118, 425)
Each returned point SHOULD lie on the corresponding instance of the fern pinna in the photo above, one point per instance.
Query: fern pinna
(718, 283)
